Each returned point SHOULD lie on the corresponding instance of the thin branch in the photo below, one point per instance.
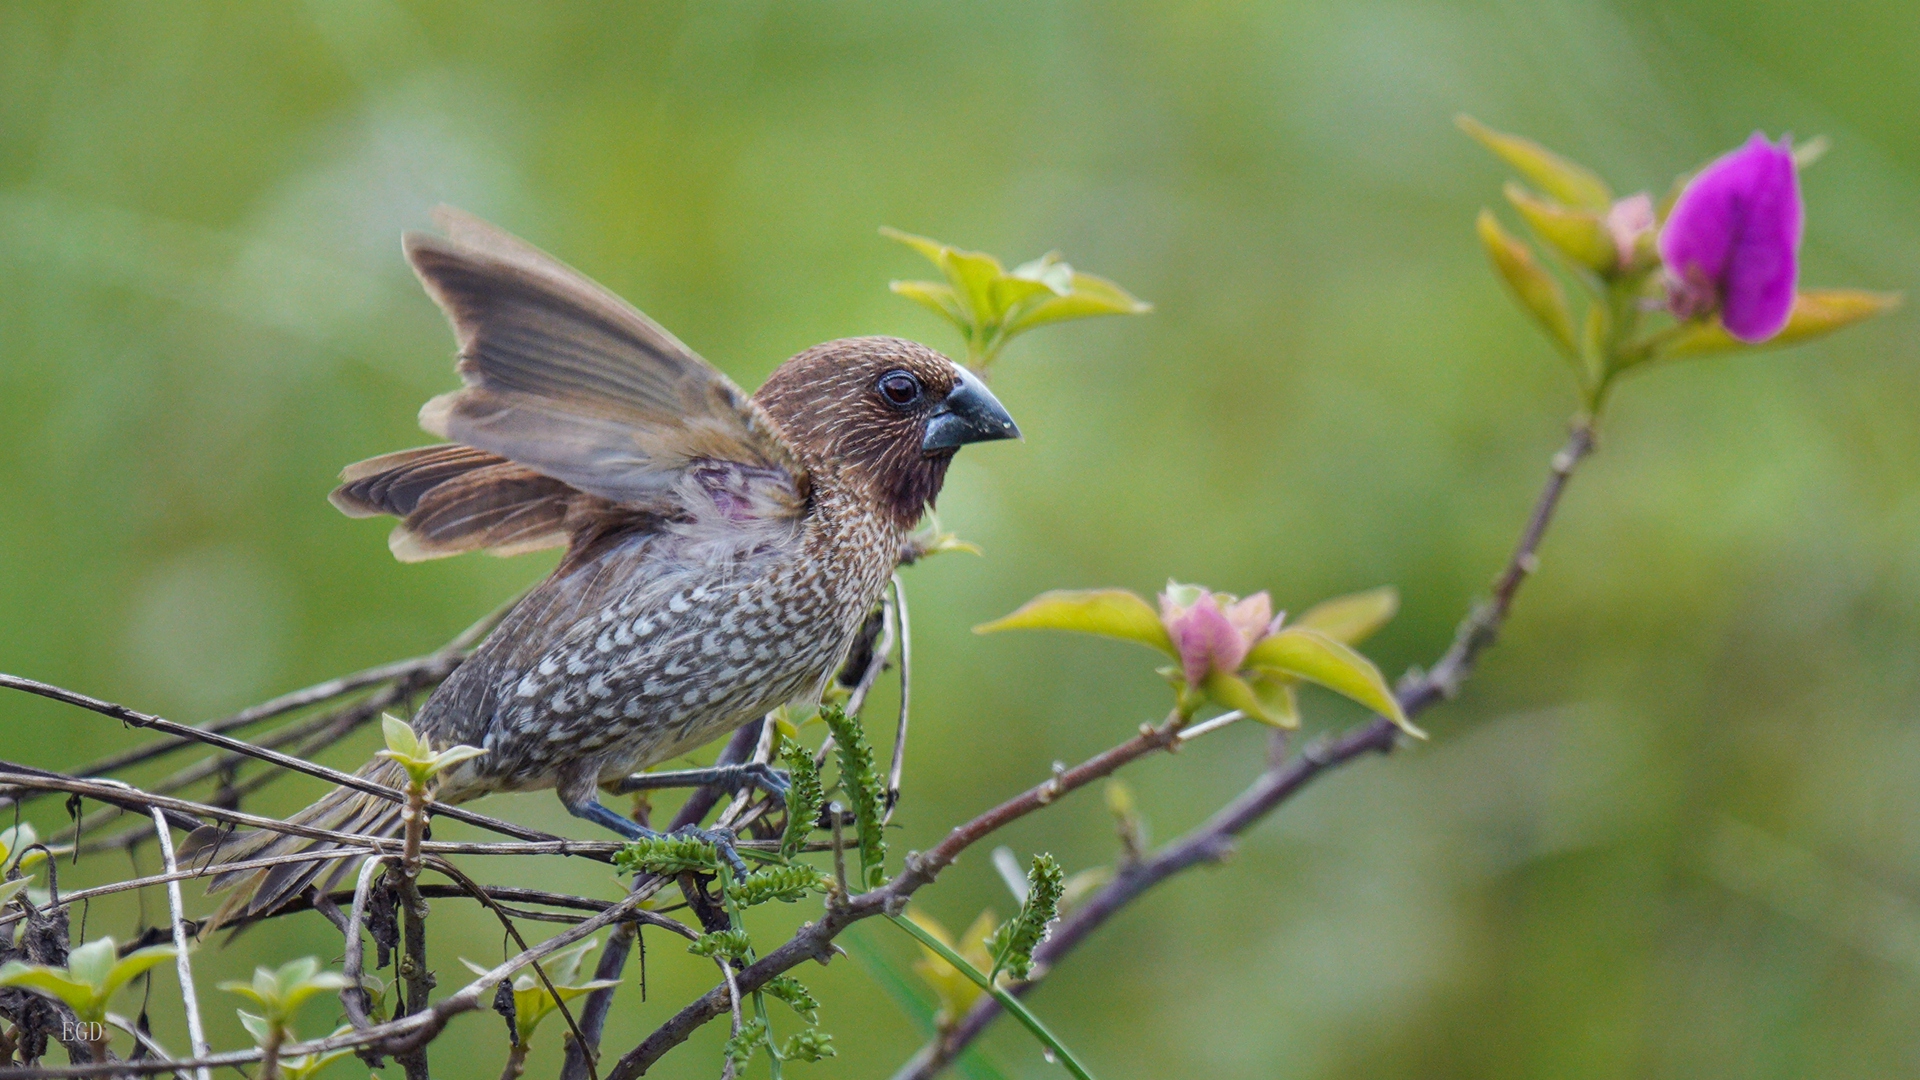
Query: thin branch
(145, 1040)
(353, 997)
(413, 924)
(69, 899)
(320, 731)
(110, 791)
(732, 983)
(899, 765)
(113, 793)
(420, 670)
(1483, 624)
(417, 672)
(196, 1034)
(139, 719)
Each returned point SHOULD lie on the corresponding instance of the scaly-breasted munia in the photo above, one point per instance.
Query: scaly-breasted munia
(721, 551)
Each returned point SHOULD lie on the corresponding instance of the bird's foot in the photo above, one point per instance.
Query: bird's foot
(722, 840)
(754, 774)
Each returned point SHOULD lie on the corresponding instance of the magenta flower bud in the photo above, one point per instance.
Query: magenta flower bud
(1732, 242)
(1209, 638)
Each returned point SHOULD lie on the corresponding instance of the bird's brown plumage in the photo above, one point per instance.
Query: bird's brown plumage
(722, 550)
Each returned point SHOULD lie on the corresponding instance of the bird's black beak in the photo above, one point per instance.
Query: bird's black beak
(970, 414)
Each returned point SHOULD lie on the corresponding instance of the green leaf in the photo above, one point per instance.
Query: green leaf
(1084, 884)
(93, 962)
(666, 856)
(936, 296)
(1353, 618)
(307, 1066)
(951, 987)
(1051, 269)
(970, 274)
(293, 973)
(1574, 185)
(533, 1004)
(324, 982)
(563, 967)
(16, 838)
(266, 987)
(731, 943)
(991, 306)
(786, 884)
(257, 1026)
(1114, 613)
(795, 993)
(740, 1048)
(973, 275)
(1317, 658)
(1013, 944)
(808, 1044)
(245, 990)
(1090, 296)
(54, 983)
(135, 964)
(453, 755)
(1536, 289)
(401, 740)
(281, 991)
(804, 797)
(936, 541)
(1816, 312)
(865, 791)
(1580, 235)
(1010, 293)
(1277, 701)
(11, 889)
(568, 993)
(1236, 693)
(934, 250)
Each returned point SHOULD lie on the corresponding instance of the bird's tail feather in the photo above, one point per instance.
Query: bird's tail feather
(263, 890)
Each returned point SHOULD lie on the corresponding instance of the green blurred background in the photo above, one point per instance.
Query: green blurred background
(1669, 830)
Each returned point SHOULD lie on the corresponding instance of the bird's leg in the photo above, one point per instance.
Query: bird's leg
(590, 809)
(756, 774)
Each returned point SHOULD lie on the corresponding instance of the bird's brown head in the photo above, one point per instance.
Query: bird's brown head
(884, 415)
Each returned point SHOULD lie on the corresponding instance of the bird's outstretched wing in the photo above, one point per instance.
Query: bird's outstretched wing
(576, 407)
(452, 498)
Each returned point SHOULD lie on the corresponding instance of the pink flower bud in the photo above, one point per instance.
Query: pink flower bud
(1627, 221)
(1732, 242)
(1208, 638)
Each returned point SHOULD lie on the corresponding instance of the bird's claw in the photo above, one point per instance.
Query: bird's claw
(722, 839)
(775, 782)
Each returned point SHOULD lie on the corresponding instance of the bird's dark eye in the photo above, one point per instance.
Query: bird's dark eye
(900, 388)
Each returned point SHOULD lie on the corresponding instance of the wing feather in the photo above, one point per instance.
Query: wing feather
(452, 499)
(394, 483)
(564, 377)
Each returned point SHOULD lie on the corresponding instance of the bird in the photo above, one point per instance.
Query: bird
(721, 551)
